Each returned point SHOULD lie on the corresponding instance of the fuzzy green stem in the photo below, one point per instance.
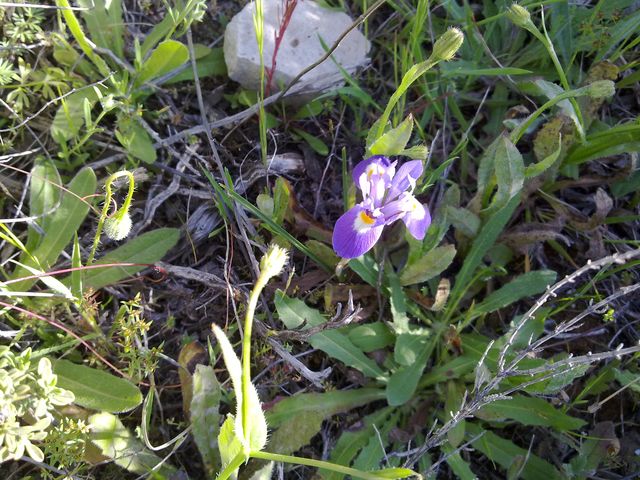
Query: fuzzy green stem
(548, 45)
(231, 467)
(246, 347)
(107, 203)
(275, 457)
(517, 134)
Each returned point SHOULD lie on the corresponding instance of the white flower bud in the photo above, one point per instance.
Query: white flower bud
(273, 261)
(118, 226)
(448, 44)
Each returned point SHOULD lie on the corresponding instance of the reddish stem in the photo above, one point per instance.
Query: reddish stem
(289, 7)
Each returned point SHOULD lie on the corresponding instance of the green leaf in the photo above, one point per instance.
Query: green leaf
(428, 266)
(393, 141)
(293, 313)
(229, 444)
(372, 336)
(611, 141)
(97, 389)
(116, 442)
(503, 451)
(105, 24)
(135, 139)
(526, 285)
(75, 278)
(404, 381)
(147, 248)
(351, 441)
(329, 403)
(205, 417)
(256, 438)
(61, 226)
(45, 191)
(69, 117)
(167, 56)
(460, 468)
(481, 245)
(315, 143)
(210, 65)
(529, 411)
(509, 171)
(628, 379)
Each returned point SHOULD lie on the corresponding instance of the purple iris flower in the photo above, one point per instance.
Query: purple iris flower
(387, 196)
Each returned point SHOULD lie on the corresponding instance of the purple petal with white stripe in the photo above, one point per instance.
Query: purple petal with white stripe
(356, 232)
(376, 165)
(405, 178)
(417, 220)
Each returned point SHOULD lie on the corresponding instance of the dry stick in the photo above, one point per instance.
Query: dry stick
(484, 397)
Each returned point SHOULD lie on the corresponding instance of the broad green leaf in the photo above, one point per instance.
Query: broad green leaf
(503, 451)
(228, 443)
(147, 248)
(116, 442)
(350, 442)
(430, 265)
(536, 169)
(256, 438)
(628, 379)
(409, 345)
(167, 56)
(105, 24)
(609, 142)
(69, 117)
(135, 139)
(96, 389)
(529, 411)
(526, 285)
(264, 473)
(211, 65)
(329, 403)
(373, 453)
(509, 171)
(404, 381)
(463, 219)
(460, 468)
(61, 226)
(205, 417)
(371, 336)
(454, 394)
(293, 313)
(398, 303)
(394, 140)
(45, 192)
(481, 245)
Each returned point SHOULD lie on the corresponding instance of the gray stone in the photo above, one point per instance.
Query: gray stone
(300, 47)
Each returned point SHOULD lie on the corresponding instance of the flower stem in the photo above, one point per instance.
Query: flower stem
(231, 467)
(246, 346)
(107, 203)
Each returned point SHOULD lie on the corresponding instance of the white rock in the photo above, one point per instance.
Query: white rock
(300, 46)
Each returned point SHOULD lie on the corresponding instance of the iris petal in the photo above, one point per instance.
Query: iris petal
(417, 220)
(355, 233)
(405, 178)
(378, 165)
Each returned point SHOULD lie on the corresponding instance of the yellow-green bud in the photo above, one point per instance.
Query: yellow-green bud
(601, 89)
(273, 261)
(519, 15)
(118, 226)
(448, 44)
